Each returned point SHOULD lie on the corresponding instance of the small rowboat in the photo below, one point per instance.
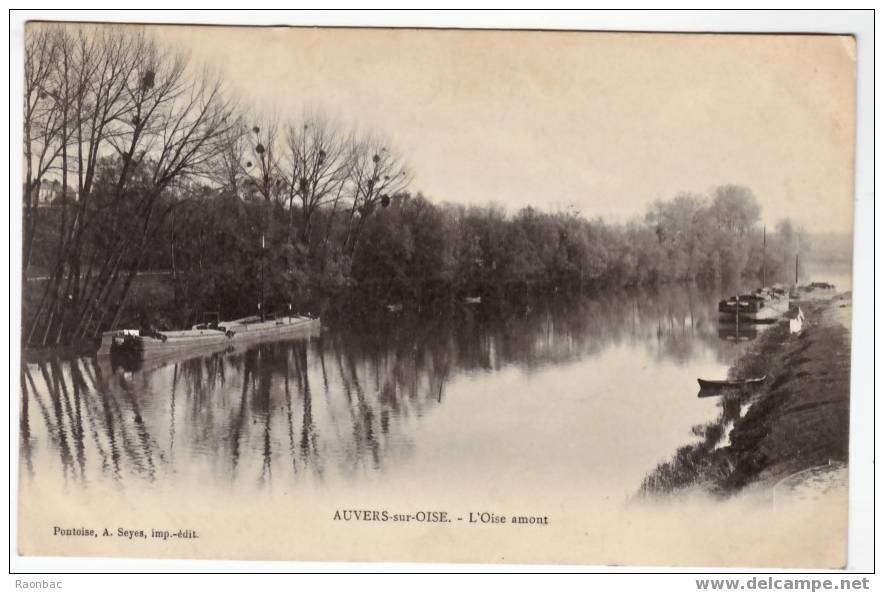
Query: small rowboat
(714, 388)
(709, 384)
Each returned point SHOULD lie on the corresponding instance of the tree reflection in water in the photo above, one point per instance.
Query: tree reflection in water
(347, 401)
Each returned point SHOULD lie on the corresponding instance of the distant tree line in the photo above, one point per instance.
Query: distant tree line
(245, 210)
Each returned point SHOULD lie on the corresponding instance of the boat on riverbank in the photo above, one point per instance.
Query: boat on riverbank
(766, 305)
(715, 388)
(149, 343)
(715, 384)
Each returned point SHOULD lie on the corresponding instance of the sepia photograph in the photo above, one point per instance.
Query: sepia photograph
(434, 295)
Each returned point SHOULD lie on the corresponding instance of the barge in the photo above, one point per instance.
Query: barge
(150, 343)
(766, 305)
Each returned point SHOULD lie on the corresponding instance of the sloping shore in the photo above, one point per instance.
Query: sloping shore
(798, 420)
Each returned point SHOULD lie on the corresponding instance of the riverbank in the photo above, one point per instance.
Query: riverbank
(798, 420)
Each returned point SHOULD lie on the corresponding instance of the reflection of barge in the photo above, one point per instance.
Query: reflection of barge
(150, 343)
(735, 332)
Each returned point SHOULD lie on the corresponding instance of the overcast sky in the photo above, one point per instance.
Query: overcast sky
(607, 122)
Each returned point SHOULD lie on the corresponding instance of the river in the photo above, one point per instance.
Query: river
(558, 411)
(587, 393)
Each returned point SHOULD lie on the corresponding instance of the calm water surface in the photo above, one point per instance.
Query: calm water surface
(586, 396)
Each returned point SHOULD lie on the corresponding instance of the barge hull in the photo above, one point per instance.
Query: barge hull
(126, 343)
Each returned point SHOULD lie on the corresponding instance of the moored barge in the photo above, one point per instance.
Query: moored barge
(766, 305)
(149, 343)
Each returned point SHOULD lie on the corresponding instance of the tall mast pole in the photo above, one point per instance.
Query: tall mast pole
(763, 256)
(261, 304)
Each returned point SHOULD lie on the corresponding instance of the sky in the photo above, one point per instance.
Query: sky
(604, 122)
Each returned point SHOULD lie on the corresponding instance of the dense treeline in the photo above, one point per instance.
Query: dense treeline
(166, 173)
(422, 254)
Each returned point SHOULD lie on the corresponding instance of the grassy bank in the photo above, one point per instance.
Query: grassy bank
(798, 419)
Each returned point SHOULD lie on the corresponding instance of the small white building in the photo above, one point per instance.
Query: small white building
(50, 191)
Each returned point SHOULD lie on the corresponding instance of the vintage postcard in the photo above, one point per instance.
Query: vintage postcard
(416, 295)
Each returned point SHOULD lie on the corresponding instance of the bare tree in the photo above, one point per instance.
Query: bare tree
(229, 173)
(186, 133)
(124, 98)
(41, 146)
(375, 174)
(316, 169)
(87, 86)
(260, 159)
